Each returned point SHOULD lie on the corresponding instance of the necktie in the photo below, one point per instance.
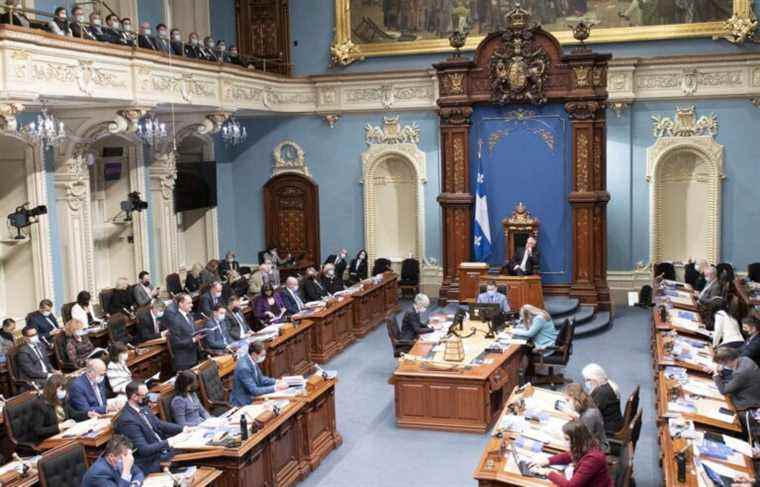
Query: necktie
(144, 416)
(97, 393)
(39, 356)
(299, 303)
(52, 325)
(240, 323)
(155, 324)
(221, 333)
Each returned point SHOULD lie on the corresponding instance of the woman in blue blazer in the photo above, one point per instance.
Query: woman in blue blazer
(187, 410)
(538, 327)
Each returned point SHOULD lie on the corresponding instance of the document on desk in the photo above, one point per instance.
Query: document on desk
(738, 445)
(720, 469)
(166, 480)
(89, 428)
(700, 388)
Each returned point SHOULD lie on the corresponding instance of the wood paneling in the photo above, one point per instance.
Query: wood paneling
(263, 30)
(291, 213)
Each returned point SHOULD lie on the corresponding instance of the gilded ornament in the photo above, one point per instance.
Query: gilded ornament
(581, 163)
(392, 133)
(521, 216)
(739, 29)
(582, 76)
(685, 124)
(344, 53)
(453, 83)
(8, 112)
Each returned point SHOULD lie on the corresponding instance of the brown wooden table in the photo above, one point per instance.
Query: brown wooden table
(374, 303)
(203, 476)
(145, 362)
(93, 446)
(290, 352)
(664, 358)
(331, 329)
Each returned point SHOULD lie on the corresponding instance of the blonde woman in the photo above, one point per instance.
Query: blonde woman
(76, 343)
(538, 327)
(121, 298)
(193, 279)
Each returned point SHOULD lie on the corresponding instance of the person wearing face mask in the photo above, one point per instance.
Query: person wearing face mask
(152, 438)
(182, 338)
(112, 31)
(606, 396)
(210, 298)
(313, 290)
(248, 380)
(52, 413)
(59, 24)
(235, 56)
(186, 408)
(115, 467)
(268, 307)
(77, 344)
(193, 49)
(178, 47)
(338, 259)
(210, 49)
(162, 40)
(7, 336)
(221, 52)
(412, 325)
(96, 28)
(236, 284)
(229, 263)
(588, 413)
(738, 378)
(44, 321)
(126, 32)
(88, 391)
(15, 17)
(78, 27)
(331, 279)
(217, 339)
(150, 322)
(357, 270)
(144, 293)
(32, 360)
(237, 324)
(291, 297)
(82, 310)
(118, 372)
(492, 296)
(257, 280)
(145, 38)
(751, 327)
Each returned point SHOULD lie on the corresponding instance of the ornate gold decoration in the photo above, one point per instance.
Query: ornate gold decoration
(564, 36)
(583, 110)
(582, 76)
(520, 69)
(521, 216)
(456, 115)
(344, 54)
(8, 112)
(185, 85)
(289, 157)
(212, 123)
(20, 63)
(86, 76)
(597, 76)
(457, 40)
(392, 133)
(685, 124)
(453, 83)
(738, 29)
(332, 119)
(522, 116)
(458, 172)
(619, 107)
(581, 163)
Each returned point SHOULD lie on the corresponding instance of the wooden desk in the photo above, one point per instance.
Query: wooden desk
(203, 476)
(522, 290)
(331, 329)
(373, 304)
(147, 362)
(664, 359)
(294, 270)
(29, 480)
(290, 353)
(93, 446)
(456, 400)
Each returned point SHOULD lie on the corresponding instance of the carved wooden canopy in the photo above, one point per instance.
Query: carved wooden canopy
(518, 227)
(526, 65)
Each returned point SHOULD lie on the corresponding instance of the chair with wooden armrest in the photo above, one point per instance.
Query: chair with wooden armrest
(631, 406)
(63, 467)
(105, 296)
(59, 347)
(66, 312)
(665, 269)
(19, 385)
(399, 344)
(213, 393)
(630, 434)
(165, 405)
(560, 356)
(117, 329)
(18, 414)
(409, 282)
(621, 467)
(173, 284)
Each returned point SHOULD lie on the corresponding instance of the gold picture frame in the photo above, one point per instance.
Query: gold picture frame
(737, 29)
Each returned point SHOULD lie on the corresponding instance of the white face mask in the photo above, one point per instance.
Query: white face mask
(127, 27)
(588, 385)
(163, 34)
(46, 313)
(35, 339)
(80, 18)
(97, 22)
(100, 379)
(146, 32)
(60, 394)
(220, 318)
(260, 358)
(123, 358)
(176, 38)
(194, 42)
(115, 24)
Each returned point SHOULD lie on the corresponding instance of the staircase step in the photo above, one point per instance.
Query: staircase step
(560, 306)
(584, 314)
(600, 322)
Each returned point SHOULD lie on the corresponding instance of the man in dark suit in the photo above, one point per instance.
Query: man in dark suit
(126, 30)
(145, 38)
(210, 49)
(150, 323)
(178, 47)
(210, 298)
(738, 378)
(152, 438)
(338, 259)
(32, 359)
(193, 51)
(78, 27)
(143, 292)
(88, 391)
(44, 321)
(96, 28)
(291, 297)
(17, 17)
(216, 339)
(751, 327)
(313, 290)
(412, 325)
(181, 329)
(525, 261)
(237, 324)
(713, 288)
(113, 32)
(115, 467)
(162, 40)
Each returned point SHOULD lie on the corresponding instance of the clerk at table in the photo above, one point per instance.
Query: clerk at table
(411, 325)
(492, 296)
(248, 380)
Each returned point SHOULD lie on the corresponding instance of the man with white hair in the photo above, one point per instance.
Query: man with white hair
(713, 288)
(525, 261)
(88, 391)
(412, 325)
(605, 394)
(291, 297)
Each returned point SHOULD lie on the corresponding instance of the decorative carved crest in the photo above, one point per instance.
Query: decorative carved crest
(392, 133)
(519, 71)
(289, 157)
(686, 124)
(521, 216)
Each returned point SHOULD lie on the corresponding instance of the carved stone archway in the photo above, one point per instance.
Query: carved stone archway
(526, 65)
(393, 143)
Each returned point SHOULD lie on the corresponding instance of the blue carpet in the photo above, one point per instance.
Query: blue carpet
(375, 453)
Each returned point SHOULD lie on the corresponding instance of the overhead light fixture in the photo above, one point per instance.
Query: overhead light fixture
(233, 133)
(150, 131)
(23, 217)
(133, 203)
(46, 130)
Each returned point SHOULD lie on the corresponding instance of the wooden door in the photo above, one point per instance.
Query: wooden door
(263, 31)
(291, 212)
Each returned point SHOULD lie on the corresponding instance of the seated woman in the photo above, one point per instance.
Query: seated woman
(331, 282)
(121, 298)
(187, 409)
(726, 332)
(52, 413)
(193, 278)
(589, 460)
(77, 344)
(118, 373)
(313, 289)
(82, 310)
(606, 396)
(268, 306)
(588, 413)
(538, 327)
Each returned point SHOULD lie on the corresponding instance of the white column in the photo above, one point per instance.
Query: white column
(140, 228)
(42, 255)
(163, 174)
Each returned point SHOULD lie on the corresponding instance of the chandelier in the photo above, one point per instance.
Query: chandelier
(150, 131)
(233, 133)
(46, 130)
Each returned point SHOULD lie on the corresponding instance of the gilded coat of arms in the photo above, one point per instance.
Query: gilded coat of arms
(520, 69)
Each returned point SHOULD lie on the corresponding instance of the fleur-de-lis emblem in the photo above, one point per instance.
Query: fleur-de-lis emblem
(477, 240)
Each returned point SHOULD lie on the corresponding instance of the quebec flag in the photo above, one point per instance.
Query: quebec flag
(482, 229)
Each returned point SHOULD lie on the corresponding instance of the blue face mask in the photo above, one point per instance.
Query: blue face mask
(119, 465)
(491, 293)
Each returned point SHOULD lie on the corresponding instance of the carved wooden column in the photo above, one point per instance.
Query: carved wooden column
(163, 175)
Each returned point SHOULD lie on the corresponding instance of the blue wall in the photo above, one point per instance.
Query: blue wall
(151, 11)
(223, 24)
(333, 158)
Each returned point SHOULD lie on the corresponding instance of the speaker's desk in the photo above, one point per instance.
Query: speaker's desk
(521, 289)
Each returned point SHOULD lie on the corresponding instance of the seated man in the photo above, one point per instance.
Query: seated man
(143, 292)
(493, 296)
(751, 327)
(15, 17)
(525, 262)
(115, 467)
(412, 326)
(313, 289)
(145, 39)
(151, 437)
(210, 298)
(113, 32)
(712, 287)
(192, 48)
(237, 324)
(216, 339)
(150, 323)
(32, 359)
(248, 380)
(59, 24)
(78, 27)
(88, 391)
(178, 47)
(43, 320)
(183, 342)
(235, 56)
(290, 296)
(96, 28)
(737, 377)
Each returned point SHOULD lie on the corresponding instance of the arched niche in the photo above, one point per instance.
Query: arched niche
(685, 175)
(394, 177)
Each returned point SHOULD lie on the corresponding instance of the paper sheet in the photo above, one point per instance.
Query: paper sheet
(738, 445)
